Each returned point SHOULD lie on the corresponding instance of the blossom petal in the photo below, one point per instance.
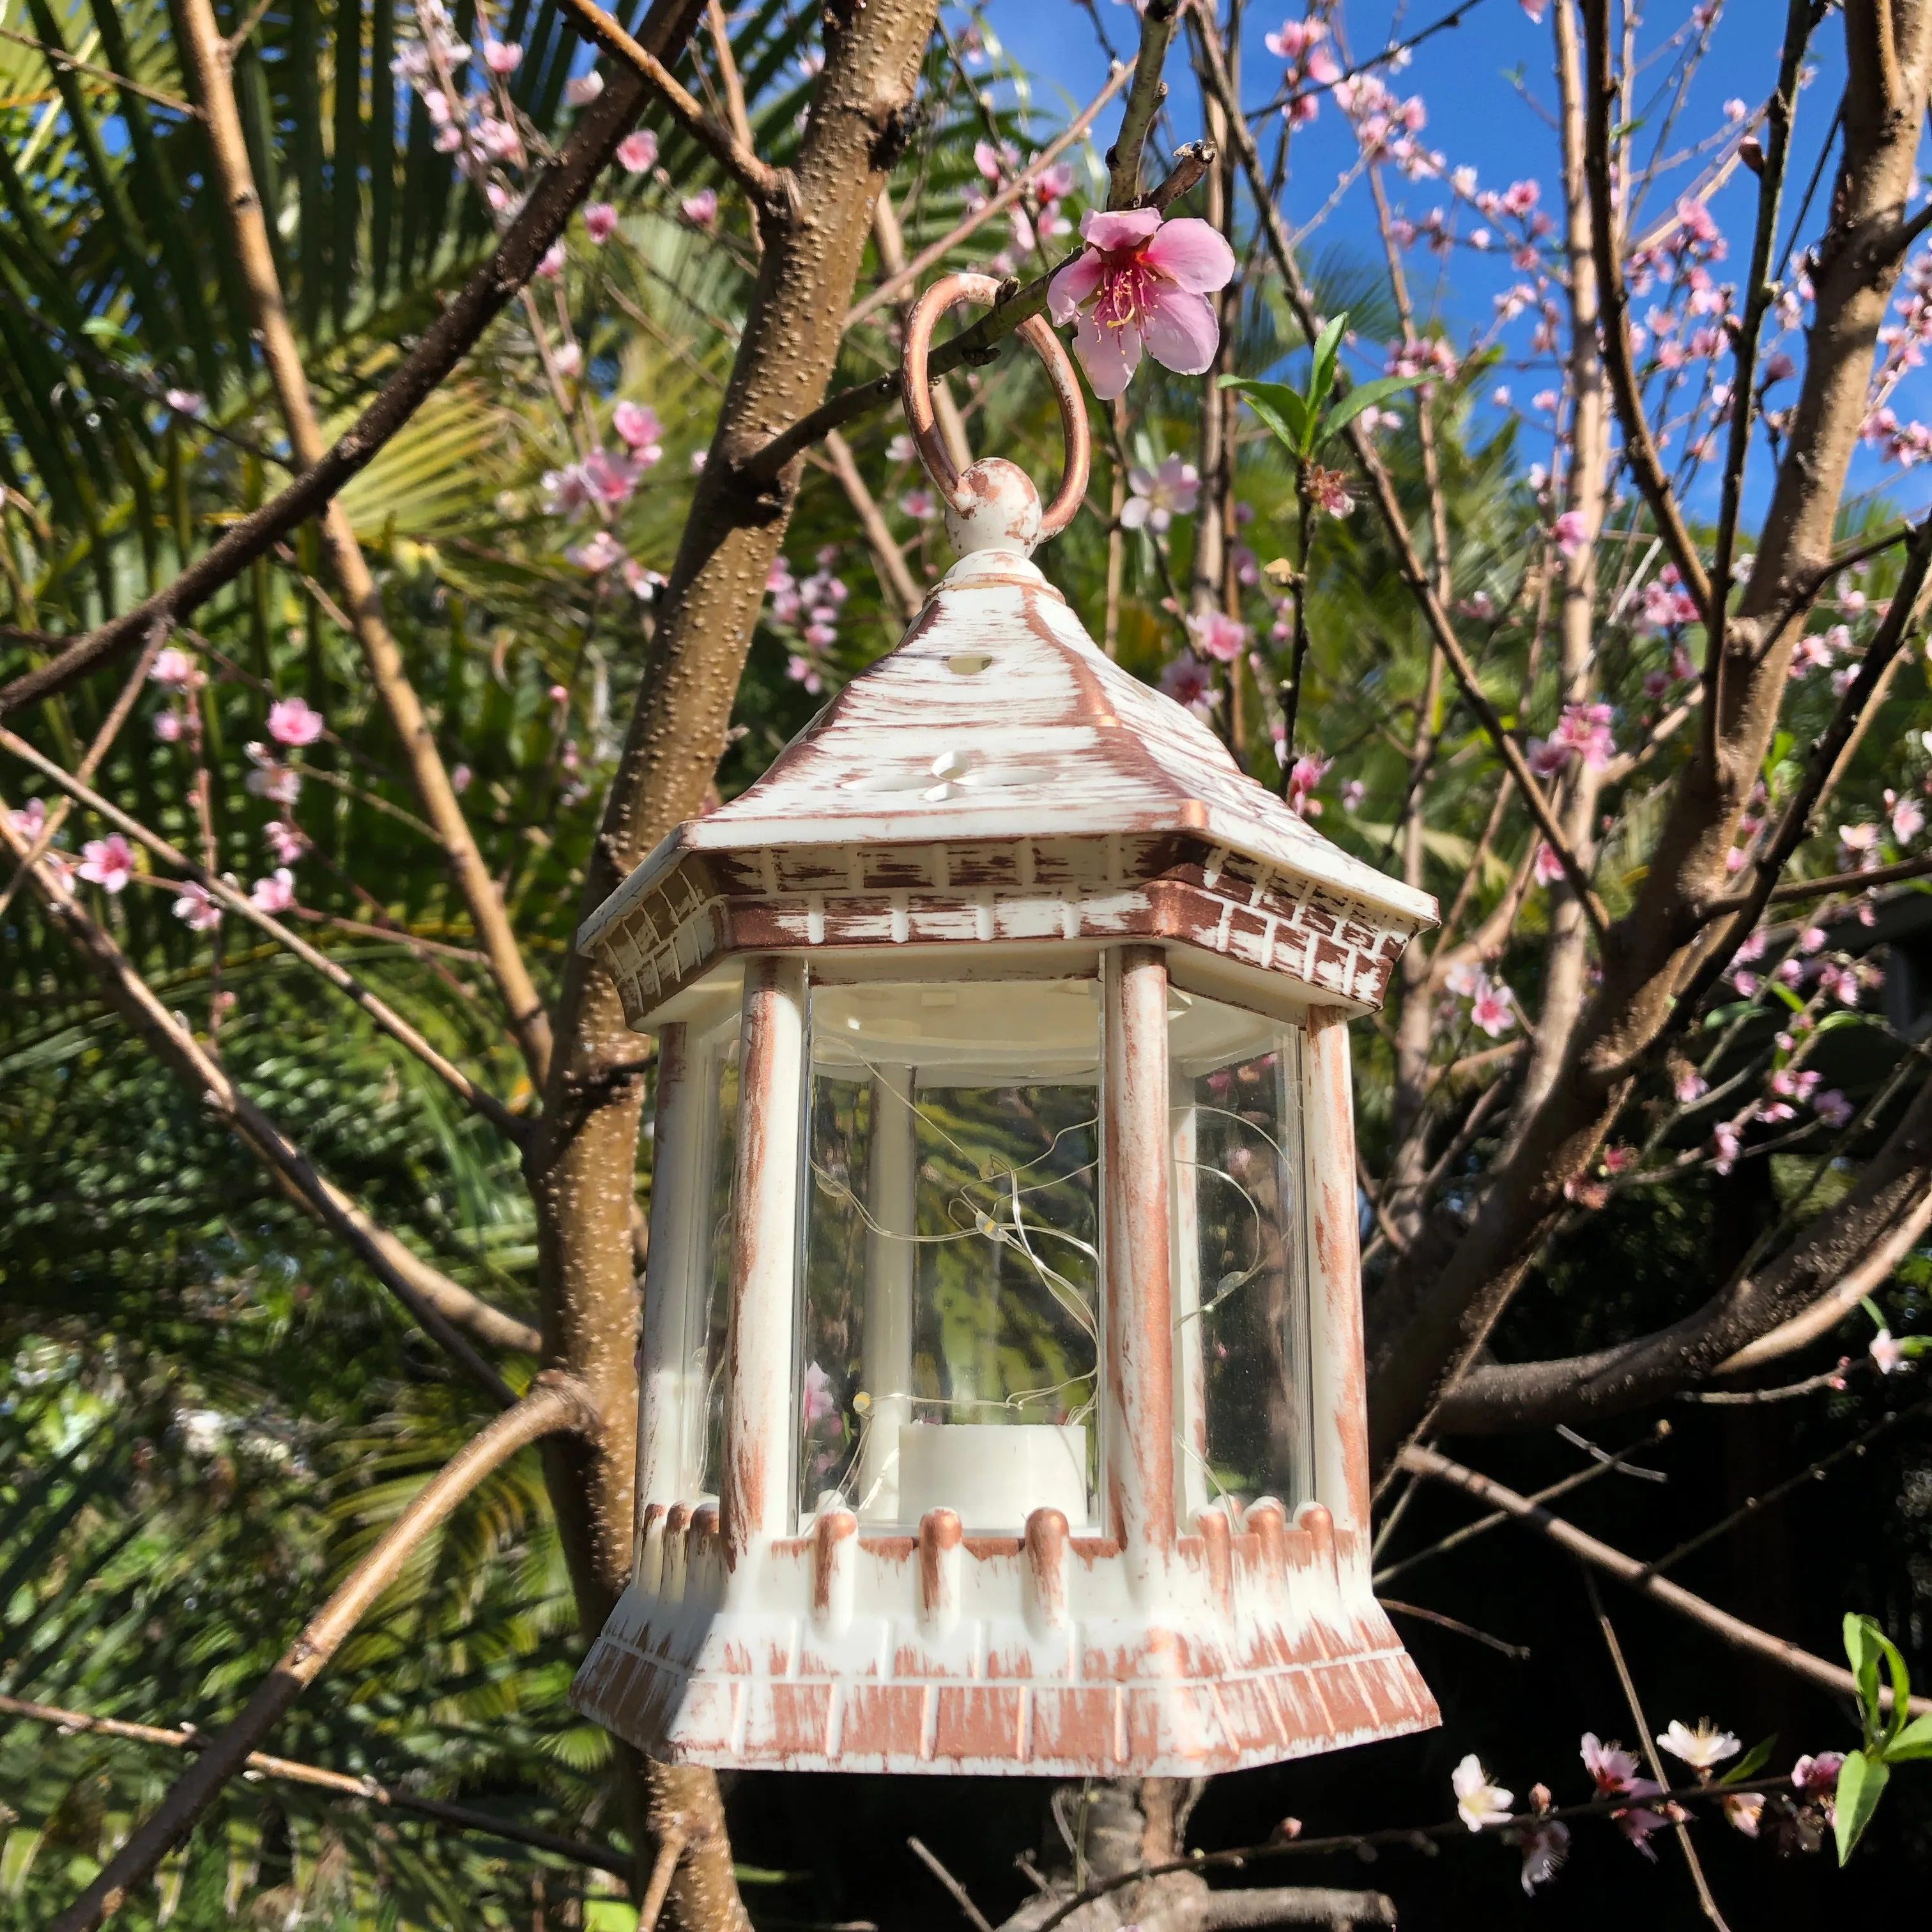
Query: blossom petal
(1074, 284)
(1193, 254)
(1110, 356)
(1182, 332)
(1121, 228)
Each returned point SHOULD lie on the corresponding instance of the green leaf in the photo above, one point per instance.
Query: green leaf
(1322, 371)
(1915, 1741)
(1861, 1784)
(1363, 396)
(1753, 1761)
(1863, 1638)
(1872, 1309)
(1285, 410)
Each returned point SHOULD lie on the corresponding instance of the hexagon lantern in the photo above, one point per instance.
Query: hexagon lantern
(1002, 1392)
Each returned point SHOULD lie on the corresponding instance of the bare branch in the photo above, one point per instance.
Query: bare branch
(1408, 562)
(961, 1896)
(767, 188)
(210, 61)
(366, 1790)
(555, 1405)
(1144, 101)
(901, 280)
(1640, 451)
(384, 1016)
(1861, 1237)
(1733, 1630)
(593, 140)
(438, 1304)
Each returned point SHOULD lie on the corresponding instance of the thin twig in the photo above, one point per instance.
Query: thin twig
(664, 1868)
(556, 1404)
(961, 1898)
(218, 889)
(1518, 1651)
(1708, 1904)
(368, 1790)
(59, 57)
(1733, 1630)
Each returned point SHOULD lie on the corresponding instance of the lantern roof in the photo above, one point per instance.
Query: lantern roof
(998, 719)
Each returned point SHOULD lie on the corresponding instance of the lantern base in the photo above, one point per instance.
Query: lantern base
(1039, 1655)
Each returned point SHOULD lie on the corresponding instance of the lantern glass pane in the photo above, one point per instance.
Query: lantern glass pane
(948, 1347)
(709, 1304)
(1239, 1256)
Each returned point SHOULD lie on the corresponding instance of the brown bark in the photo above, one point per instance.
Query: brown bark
(582, 1165)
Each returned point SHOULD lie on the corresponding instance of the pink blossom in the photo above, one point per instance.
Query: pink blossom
(169, 726)
(286, 841)
(638, 427)
(1353, 792)
(1547, 867)
(195, 908)
(502, 57)
(1547, 758)
(185, 402)
(176, 670)
(1293, 38)
(1743, 1810)
(919, 505)
(107, 862)
(637, 152)
(1570, 532)
(1493, 1010)
(568, 360)
(28, 821)
(1478, 1801)
(1219, 635)
(1831, 1107)
(598, 552)
(819, 1400)
(1329, 490)
(1157, 496)
(292, 721)
(1584, 729)
(1533, 8)
(1190, 682)
(582, 89)
(278, 783)
(1908, 816)
(700, 209)
(802, 671)
(1142, 280)
(1727, 1139)
(1304, 776)
(600, 221)
(274, 894)
(551, 266)
(610, 479)
(1818, 1775)
(1690, 1086)
(1886, 1352)
(459, 776)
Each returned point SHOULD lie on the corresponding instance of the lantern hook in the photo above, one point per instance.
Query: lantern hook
(993, 505)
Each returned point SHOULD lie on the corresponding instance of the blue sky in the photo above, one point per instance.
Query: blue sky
(1483, 82)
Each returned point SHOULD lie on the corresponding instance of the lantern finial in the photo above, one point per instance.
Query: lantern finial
(993, 505)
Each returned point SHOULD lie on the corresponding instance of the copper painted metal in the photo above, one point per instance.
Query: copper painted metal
(1138, 1324)
(996, 800)
(993, 484)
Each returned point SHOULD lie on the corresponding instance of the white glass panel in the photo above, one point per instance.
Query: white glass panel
(950, 1329)
(1239, 1253)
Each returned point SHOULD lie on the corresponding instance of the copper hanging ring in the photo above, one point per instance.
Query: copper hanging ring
(988, 484)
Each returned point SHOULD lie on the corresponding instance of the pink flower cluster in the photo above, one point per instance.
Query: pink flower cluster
(1583, 732)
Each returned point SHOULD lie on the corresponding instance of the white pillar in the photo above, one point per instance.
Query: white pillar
(674, 1273)
(760, 1422)
(1337, 1378)
(1190, 1372)
(1137, 1333)
(891, 1265)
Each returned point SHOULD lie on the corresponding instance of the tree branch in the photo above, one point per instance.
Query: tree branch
(1863, 1236)
(384, 1016)
(768, 188)
(555, 1405)
(368, 1790)
(437, 1303)
(1408, 562)
(593, 140)
(1733, 1630)
(1144, 101)
(210, 60)
(1639, 452)
(902, 279)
